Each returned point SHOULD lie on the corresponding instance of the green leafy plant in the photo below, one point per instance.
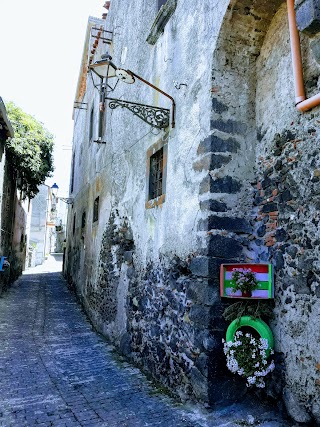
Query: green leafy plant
(244, 280)
(30, 151)
(247, 357)
(255, 309)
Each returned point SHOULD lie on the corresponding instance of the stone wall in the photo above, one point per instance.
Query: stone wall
(8, 210)
(282, 189)
(167, 317)
(13, 212)
(19, 238)
(7, 217)
(242, 186)
(287, 198)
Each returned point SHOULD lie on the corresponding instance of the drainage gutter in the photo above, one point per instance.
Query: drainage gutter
(302, 104)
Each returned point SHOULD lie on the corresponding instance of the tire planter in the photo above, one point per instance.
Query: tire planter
(258, 325)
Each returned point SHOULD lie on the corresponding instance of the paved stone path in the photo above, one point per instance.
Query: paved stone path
(56, 371)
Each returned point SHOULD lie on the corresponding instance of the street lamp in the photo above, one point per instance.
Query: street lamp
(104, 68)
(154, 116)
(55, 189)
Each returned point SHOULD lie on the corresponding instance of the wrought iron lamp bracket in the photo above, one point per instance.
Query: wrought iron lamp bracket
(68, 200)
(173, 107)
(154, 116)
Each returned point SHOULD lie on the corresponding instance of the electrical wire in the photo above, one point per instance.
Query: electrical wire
(119, 153)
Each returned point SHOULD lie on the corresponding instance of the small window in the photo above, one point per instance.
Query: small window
(156, 175)
(83, 220)
(74, 224)
(72, 172)
(91, 122)
(101, 124)
(22, 242)
(96, 210)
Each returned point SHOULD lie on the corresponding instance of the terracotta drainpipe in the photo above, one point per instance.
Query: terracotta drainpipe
(302, 103)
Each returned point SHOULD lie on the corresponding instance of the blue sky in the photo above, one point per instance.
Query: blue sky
(41, 46)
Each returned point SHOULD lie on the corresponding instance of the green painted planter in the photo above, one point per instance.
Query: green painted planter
(258, 325)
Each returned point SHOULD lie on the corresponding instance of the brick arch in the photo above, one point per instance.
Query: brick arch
(230, 151)
(233, 123)
(248, 21)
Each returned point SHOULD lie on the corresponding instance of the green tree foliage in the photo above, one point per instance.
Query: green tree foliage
(30, 151)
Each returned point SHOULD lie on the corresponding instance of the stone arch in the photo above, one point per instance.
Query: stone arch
(250, 124)
(233, 141)
(234, 86)
(234, 133)
(249, 21)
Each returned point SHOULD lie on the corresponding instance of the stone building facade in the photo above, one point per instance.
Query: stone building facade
(42, 226)
(240, 183)
(6, 191)
(13, 212)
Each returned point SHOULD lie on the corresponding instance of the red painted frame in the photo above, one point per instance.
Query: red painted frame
(265, 281)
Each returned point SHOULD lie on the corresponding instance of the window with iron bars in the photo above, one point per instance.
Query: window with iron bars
(91, 123)
(74, 224)
(96, 210)
(83, 220)
(156, 175)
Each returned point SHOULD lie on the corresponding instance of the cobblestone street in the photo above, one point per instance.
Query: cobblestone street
(56, 371)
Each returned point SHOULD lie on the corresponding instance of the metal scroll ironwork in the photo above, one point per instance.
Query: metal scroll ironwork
(68, 200)
(154, 116)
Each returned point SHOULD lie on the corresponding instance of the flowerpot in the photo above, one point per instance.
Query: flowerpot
(257, 324)
(246, 294)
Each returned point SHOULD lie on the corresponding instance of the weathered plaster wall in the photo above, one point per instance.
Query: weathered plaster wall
(39, 218)
(19, 239)
(288, 161)
(141, 286)
(242, 185)
(277, 164)
(7, 195)
(7, 191)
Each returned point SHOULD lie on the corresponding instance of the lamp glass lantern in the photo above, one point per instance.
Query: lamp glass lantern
(104, 68)
(55, 189)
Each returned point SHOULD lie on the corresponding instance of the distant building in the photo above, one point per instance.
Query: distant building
(42, 226)
(61, 225)
(236, 179)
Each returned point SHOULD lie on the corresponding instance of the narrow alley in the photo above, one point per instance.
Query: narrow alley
(56, 371)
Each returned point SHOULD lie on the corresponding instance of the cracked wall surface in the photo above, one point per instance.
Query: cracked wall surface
(242, 185)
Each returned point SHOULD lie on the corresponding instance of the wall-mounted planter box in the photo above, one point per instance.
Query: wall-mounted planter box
(264, 276)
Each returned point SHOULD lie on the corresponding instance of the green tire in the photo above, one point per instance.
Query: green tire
(258, 325)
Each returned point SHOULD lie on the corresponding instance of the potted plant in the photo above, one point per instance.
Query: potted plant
(244, 280)
(247, 356)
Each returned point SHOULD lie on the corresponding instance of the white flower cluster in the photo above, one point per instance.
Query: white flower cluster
(247, 357)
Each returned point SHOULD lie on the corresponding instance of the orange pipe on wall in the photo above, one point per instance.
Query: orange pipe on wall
(295, 53)
(302, 103)
(309, 103)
